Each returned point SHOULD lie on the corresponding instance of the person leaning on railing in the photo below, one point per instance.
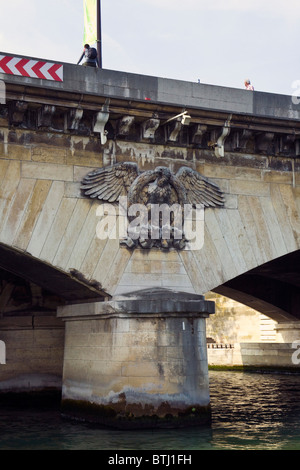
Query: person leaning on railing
(90, 57)
(248, 85)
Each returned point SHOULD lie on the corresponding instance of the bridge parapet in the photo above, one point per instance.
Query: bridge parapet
(117, 105)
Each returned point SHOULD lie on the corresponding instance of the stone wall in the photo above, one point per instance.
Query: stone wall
(34, 354)
(255, 355)
(234, 322)
(44, 213)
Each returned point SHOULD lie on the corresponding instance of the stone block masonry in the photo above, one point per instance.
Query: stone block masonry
(133, 359)
(138, 361)
(34, 354)
(256, 356)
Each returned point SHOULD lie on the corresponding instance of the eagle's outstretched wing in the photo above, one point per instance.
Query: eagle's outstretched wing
(199, 189)
(109, 183)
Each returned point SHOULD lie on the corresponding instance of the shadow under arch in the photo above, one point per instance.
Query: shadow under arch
(272, 288)
(71, 287)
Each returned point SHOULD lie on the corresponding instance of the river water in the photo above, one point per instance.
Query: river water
(250, 411)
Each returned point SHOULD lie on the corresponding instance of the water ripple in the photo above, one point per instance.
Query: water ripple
(249, 411)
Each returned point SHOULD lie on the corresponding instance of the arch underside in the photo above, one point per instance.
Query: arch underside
(68, 287)
(272, 288)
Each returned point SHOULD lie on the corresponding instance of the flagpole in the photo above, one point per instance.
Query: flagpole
(99, 34)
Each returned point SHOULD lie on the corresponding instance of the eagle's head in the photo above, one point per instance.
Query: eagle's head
(163, 175)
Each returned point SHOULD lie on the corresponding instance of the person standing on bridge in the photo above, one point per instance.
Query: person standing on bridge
(248, 85)
(90, 57)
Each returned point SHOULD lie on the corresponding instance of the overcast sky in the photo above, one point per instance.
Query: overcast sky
(220, 42)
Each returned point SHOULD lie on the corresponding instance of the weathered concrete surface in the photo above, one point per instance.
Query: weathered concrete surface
(135, 366)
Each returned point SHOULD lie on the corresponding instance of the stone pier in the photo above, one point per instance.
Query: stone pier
(138, 360)
(288, 332)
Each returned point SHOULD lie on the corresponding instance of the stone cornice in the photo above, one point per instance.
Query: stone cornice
(110, 116)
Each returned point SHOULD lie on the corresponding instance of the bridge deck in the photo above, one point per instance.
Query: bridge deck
(163, 91)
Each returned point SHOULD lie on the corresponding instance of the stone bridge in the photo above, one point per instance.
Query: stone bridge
(53, 134)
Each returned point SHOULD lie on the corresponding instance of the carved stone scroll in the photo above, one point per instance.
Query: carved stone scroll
(74, 117)
(220, 145)
(125, 125)
(16, 111)
(45, 116)
(100, 121)
(264, 142)
(149, 128)
(197, 133)
(241, 138)
(173, 130)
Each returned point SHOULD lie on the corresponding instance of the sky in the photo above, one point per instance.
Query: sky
(219, 42)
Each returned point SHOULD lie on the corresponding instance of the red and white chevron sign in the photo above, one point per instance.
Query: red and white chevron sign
(31, 68)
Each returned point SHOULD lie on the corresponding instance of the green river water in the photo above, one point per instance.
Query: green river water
(250, 411)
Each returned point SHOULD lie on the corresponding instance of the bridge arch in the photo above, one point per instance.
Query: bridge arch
(272, 288)
(69, 287)
(31, 335)
(250, 253)
(246, 143)
(50, 227)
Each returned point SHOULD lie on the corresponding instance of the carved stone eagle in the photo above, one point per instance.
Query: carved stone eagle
(158, 186)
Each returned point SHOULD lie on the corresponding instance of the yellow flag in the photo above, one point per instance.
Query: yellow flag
(90, 21)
